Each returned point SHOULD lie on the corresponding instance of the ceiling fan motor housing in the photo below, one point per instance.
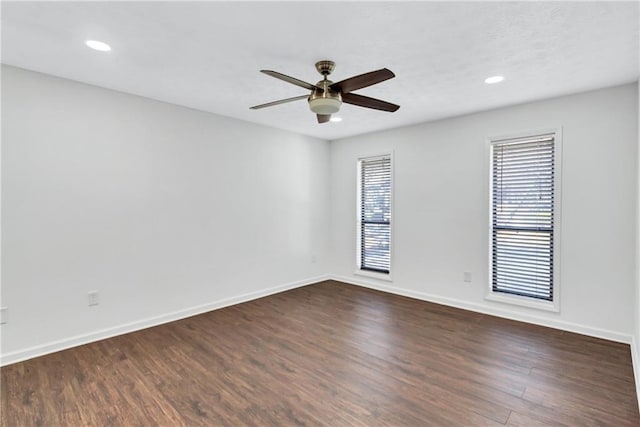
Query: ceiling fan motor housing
(325, 101)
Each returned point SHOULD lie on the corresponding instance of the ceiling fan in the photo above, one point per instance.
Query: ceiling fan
(326, 96)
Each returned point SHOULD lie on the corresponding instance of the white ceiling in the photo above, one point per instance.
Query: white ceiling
(206, 55)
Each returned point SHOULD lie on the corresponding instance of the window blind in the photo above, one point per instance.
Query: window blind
(375, 214)
(522, 216)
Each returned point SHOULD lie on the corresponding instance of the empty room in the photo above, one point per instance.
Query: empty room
(320, 213)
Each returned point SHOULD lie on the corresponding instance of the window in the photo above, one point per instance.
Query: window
(374, 216)
(524, 195)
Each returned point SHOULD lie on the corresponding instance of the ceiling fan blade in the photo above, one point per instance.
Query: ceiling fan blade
(282, 101)
(363, 80)
(324, 118)
(365, 101)
(291, 80)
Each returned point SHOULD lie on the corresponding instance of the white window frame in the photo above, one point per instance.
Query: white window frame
(524, 301)
(359, 271)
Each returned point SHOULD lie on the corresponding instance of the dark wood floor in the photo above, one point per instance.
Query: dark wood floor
(329, 354)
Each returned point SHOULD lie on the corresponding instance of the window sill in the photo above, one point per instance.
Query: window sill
(374, 275)
(523, 302)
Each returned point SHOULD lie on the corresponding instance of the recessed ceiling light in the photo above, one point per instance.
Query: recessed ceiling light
(98, 45)
(494, 79)
(336, 119)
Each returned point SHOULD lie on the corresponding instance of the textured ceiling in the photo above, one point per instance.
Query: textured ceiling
(206, 55)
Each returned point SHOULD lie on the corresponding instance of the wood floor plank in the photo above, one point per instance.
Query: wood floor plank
(328, 354)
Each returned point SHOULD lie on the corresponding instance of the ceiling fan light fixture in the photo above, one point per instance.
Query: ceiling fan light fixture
(325, 105)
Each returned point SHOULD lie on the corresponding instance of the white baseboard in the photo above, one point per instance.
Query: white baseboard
(479, 308)
(635, 359)
(51, 347)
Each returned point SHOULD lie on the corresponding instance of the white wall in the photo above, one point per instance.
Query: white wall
(169, 211)
(164, 210)
(441, 208)
(635, 350)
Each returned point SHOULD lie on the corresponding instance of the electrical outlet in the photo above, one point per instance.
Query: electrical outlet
(94, 298)
(467, 277)
(4, 315)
